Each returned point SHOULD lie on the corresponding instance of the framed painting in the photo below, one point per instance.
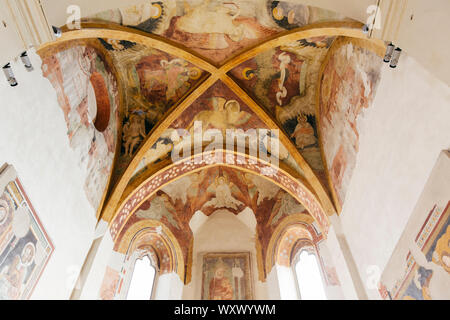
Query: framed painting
(227, 276)
(25, 247)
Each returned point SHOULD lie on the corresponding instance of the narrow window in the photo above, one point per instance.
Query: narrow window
(309, 279)
(142, 281)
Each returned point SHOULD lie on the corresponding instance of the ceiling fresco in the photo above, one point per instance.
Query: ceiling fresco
(217, 29)
(218, 108)
(283, 81)
(153, 82)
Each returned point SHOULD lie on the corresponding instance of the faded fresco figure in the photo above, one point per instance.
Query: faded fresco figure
(133, 133)
(226, 114)
(220, 287)
(304, 133)
(224, 198)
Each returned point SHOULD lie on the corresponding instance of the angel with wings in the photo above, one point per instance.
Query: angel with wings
(223, 198)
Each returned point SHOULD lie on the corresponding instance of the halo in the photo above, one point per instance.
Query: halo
(248, 73)
(278, 13)
(195, 73)
(30, 259)
(4, 211)
(157, 11)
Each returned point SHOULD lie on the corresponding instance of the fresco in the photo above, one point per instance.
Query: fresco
(209, 190)
(217, 29)
(290, 14)
(154, 81)
(424, 271)
(25, 247)
(70, 72)
(218, 108)
(348, 87)
(419, 267)
(283, 81)
(227, 276)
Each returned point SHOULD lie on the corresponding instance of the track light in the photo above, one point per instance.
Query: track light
(389, 52)
(395, 58)
(365, 29)
(26, 61)
(57, 32)
(9, 75)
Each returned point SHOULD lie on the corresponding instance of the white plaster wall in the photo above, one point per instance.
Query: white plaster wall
(94, 280)
(347, 284)
(224, 232)
(33, 138)
(273, 285)
(286, 282)
(401, 137)
(169, 287)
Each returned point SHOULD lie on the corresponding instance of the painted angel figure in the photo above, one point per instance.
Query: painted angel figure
(224, 198)
(304, 133)
(159, 208)
(133, 133)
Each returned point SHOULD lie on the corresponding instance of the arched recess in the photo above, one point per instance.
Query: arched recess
(293, 232)
(210, 159)
(157, 239)
(146, 237)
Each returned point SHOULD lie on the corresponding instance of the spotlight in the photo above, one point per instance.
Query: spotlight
(395, 58)
(389, 52)
(365, 29)
(9, 75)
(57, 32)
(26, 61)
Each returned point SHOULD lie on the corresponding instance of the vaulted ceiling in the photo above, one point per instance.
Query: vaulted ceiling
(229, 65)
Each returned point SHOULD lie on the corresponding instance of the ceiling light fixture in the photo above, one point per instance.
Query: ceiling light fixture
(57, 32)
(395, 57)
(389, 51)
(26, 61)
(7, 70)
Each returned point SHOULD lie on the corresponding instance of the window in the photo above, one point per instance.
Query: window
(142, 280)
(309, 278)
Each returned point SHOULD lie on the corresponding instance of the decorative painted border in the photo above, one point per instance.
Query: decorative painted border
(209, 159)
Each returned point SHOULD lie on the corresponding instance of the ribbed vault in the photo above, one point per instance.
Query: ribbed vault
(261, 71)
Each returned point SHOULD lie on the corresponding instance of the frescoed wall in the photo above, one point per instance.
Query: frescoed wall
(217, 29)
(419, 268)
(208, 191)
(347, 88)
(25, 247)
(71, 72)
